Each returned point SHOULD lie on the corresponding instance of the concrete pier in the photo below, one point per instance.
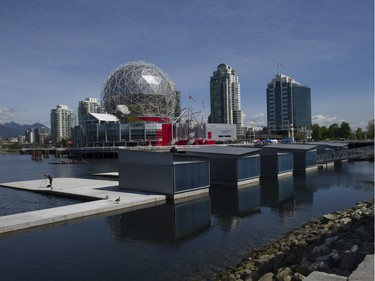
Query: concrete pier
(103, 192)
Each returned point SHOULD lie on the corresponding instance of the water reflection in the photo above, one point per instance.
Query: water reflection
(231, 204)
(278, 193)
(195, 239)
(304, 188)
(228, 202)
(164, 223)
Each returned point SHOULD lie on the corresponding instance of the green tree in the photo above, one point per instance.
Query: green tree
(316, 132)
(359, 134)
(370, 129)
(345, 131)
(333, 131)
(324, 132)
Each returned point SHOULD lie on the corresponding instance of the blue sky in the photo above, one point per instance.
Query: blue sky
(60, 52)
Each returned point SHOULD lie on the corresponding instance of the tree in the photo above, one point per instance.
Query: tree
(359, 134)
(345, 131)
(316, 132)
(370, 129)
(333, 131)
(324, 132)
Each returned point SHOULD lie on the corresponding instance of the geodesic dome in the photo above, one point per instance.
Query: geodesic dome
(142, 87)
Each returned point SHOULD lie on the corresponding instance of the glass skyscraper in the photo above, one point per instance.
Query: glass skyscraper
(225, 98)
(288, 107)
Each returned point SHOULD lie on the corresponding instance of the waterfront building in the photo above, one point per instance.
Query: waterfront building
(172, 174)
(63, 120)
(37, 135)
(89, 105)
(304, 155)
(274, 163)
(107, 130)
(230, 166)
(42, 135)
(30, 135)
(140, 89)
(288, 107)
(225, 99)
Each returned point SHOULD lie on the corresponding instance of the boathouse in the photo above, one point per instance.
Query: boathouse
(230, 166)
(331, 152)
(304, 157)
(173, 174)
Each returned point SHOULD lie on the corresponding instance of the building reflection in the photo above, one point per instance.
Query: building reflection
(164, 223)
(304, 188)
(231, 204)
(278, 193)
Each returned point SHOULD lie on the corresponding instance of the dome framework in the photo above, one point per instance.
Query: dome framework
(142, 87)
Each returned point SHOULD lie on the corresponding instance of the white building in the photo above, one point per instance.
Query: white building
(221, 132)
(63, 120)
(225, 98)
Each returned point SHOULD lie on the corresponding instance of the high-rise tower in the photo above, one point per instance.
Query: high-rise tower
(89, 105)
(225, 98)
(62, 120)
(288, 107)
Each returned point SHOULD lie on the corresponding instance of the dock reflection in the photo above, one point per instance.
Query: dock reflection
(304, 188)
(278, 193)
(229, 205)
(164, 223)
(228, 202)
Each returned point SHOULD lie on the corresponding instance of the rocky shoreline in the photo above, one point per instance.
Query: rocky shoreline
(334, 243)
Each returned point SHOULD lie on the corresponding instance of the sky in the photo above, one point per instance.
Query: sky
(60, 52)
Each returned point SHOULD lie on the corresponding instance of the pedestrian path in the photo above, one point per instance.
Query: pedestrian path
(103, 192)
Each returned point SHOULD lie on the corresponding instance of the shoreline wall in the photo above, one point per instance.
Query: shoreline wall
(335, 243)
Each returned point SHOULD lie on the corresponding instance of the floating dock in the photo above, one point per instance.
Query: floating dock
(103, 194)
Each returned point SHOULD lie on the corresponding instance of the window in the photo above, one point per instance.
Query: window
(191, 176)
(248, 168)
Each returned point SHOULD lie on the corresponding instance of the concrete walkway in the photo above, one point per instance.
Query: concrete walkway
(106, 192)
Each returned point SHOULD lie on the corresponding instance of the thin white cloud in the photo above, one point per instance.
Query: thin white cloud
(7, 114)
(324, 120)
(256, 120)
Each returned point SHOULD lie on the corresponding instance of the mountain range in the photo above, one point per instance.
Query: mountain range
(12, 129)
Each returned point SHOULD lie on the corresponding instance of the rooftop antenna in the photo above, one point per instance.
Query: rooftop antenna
(278, 66)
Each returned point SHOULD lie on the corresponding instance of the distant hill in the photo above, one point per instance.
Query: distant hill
(12, 129)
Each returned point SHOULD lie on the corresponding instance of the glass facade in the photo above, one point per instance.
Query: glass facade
(117, 133)
(310, 158)
(302, 106)
(248, 168)
(288, 105)
(191, 176)
(285, 162)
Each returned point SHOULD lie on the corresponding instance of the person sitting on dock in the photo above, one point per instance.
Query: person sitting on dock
(47, 176)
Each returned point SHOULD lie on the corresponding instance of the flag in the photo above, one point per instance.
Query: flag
(203, 104)
(191, 98)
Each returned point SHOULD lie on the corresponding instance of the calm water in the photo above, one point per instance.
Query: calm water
(184, 241)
